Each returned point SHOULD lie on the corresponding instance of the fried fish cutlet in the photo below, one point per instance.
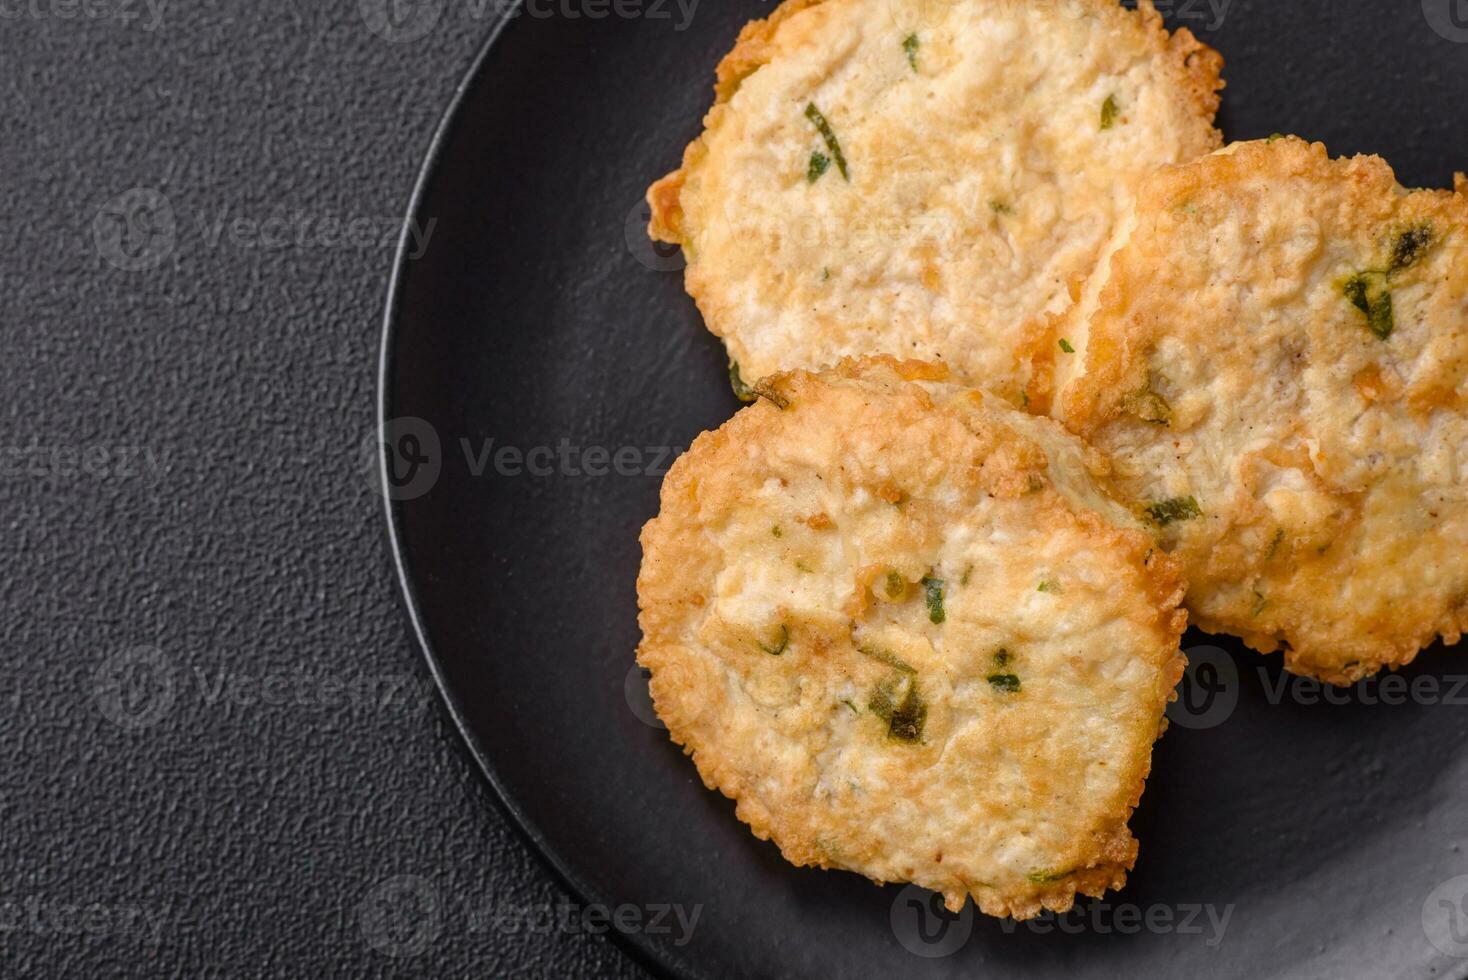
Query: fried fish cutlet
(1276, 360)
(923, 179)
(897, 621)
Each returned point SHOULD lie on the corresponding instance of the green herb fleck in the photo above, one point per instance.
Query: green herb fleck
(910, 45)
(1259, 603)
(882, 656)
(1148, 406)
(1004, 683)
(801, 566)
(827, 134)
(780, 644)
(1164, 512)
(1047, 877)
(1275, 137)
(1274, 543)
(825, 274)
(896, 586)
(1375, 302)
(765, 391)
(1065, 346)
(896, 701)
(854, 709)
(1035, 483)
(819, 164)
(999, 207)
(933, 595)
(1109, 111)
(1002, 657)
(1049, 585)
(1408, 247)
(742, 391)
(963, 579)
(776, 531)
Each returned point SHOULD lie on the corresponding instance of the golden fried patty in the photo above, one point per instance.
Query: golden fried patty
(923, 178)
(898, 622)
(1276, 359)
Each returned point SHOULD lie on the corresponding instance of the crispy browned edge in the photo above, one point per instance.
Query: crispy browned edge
(1196, 69)
(1115, 854)
(1095, 400)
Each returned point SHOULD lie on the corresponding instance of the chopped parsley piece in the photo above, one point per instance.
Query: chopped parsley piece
(1048, 585)
(1148, 406)
(780, 644)
(933, 596)
(1164, 512)
(1065, 346)
(895, 586)
(1408, 247)
(1275, 137)
(1376, 305)
(1046, 877)
(819, 164)
(776, 531)
(1259, 603)
(827, 134)
(1002, 657)
(882, 656)
(1109, 111)
(1004, 683)
(1274, 542)
(897, 701)
(742, 391)
(853, 707)
(910, 45)
(768, 393)
(999, 207)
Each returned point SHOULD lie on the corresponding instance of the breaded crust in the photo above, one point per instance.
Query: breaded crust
(903, 627)
(923, 178)
(1276, 360)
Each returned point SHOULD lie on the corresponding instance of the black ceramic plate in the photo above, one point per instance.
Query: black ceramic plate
(542, 363)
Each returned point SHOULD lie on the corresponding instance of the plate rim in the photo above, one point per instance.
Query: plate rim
(646, 954)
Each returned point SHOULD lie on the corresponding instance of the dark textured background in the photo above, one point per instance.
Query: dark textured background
(252, 832)
(186, 515)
